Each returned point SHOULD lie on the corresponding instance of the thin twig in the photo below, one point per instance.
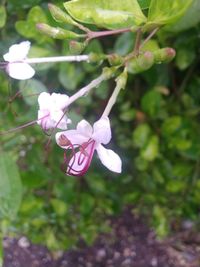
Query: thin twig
(149, 37)
(92, 35)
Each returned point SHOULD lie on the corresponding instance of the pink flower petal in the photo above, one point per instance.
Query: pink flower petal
(84, 128)
(73, 136)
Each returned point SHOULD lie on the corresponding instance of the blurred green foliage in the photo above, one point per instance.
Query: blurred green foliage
(155, 124)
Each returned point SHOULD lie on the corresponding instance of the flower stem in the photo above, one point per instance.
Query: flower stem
(23, 126)
(56, 59)
(85, 90)
(137, 42)
(92, 35)
(111, 101)
(149, 37)
(120, 84)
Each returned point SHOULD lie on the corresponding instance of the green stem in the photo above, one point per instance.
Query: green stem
(111, 101)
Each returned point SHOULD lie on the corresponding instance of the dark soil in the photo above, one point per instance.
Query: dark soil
(130, 244)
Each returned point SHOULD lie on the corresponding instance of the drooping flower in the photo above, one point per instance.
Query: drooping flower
(51, 111)
(82, 142)
(16, 68)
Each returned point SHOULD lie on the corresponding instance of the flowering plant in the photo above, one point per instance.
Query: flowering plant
(124, 83)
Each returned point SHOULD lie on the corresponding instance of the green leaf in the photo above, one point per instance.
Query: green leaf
(184, 57)
(164, 12)
(11, 187)
(151, 45)
(144, 4)
(2, 16)
(151, 103)
(70, 76)
(175, 186)
(141, 135)
(150, 152)
(59, 206)
(171, 125)
(27, 28)
(190, 19)
(124, 43)
(31, 89)
(109, 14)
(160, 221)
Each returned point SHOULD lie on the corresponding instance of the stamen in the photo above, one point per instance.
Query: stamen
(79, 159)
(22, 126)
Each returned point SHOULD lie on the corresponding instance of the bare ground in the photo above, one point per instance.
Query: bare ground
(130, 244)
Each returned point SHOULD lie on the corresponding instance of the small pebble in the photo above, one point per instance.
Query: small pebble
(116, 255)
(154, 262)
(101, 254)
(127, 262)
(23, 242)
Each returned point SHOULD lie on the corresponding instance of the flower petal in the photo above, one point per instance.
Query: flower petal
(44, 100)
(109, 159)
(102, 131)
(44, 120)
(20, 71)
(60, 100)
(84, 128)
(59, 118)
(73, 136)
(17, 52)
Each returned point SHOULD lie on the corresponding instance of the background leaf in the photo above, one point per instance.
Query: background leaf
(11, 187)
(3, 16)
(163, 12)
(108, 14)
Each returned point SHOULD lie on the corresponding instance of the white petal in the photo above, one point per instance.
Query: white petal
(42, 114)
(59, 119)
(44, 120)
(73, 136)
(102, 131)
(17, 52)
(60, 100)
(84, 128)
(44, 100)
(109, 159)
(20, 71)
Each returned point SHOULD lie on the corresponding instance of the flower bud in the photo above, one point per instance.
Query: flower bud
(109, 72)
(164, 55)
(141, 63)
(115, 59)
(60, 16)
(93, 57)
(122, 79)
(76, 47)
(57, 33)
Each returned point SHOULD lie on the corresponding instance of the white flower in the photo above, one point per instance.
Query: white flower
(82, 143)
(16, 68)
(51, 111)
